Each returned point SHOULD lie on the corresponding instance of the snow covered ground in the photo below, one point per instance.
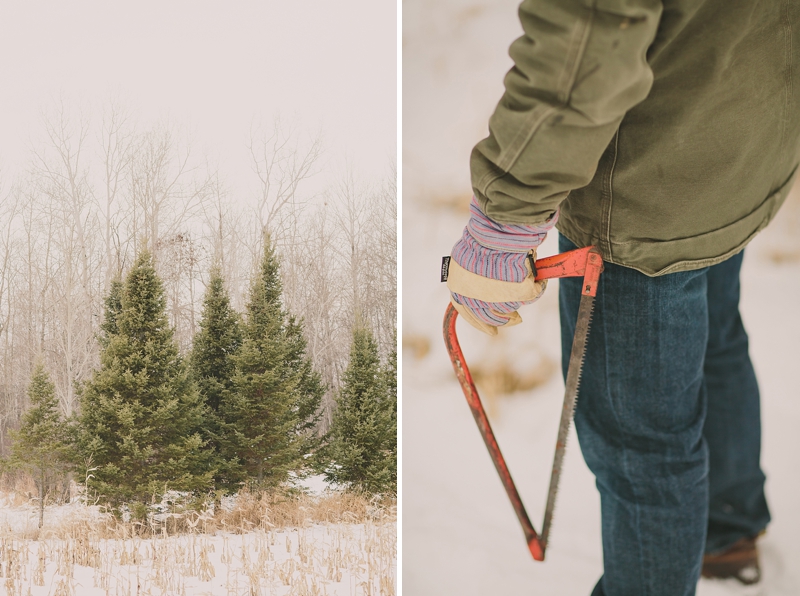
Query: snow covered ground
(333, 560)
(460, 535)
(73, 555)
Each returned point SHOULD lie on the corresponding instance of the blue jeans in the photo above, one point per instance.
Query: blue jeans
(668, 421)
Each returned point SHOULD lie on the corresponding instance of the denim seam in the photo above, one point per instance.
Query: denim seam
(625, 460)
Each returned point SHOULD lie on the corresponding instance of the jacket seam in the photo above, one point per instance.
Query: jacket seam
(789, 65)
(609, 192)
(787, 79)
(527, 134)
(574, 59)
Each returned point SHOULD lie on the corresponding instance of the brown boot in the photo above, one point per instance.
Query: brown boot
(739, 561)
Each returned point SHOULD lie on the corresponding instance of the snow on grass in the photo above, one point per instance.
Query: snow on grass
(337, 559)
(333, 545)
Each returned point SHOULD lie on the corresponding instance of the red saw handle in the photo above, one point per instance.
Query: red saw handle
(584, 262)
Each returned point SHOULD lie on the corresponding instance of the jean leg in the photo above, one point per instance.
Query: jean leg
(639, 419)
(737, 505)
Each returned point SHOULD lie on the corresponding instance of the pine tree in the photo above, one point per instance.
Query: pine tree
(141, 414)
(362, 446)
(310, 388)
(215, 344)
(212, 364)
(276, 397)
(389, 378)
(41, 445)
(113, 307)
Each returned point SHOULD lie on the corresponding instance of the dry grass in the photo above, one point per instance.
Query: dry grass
(500, 378)
(418, 345)
(457, 202)
(269, 511)
(18, 488)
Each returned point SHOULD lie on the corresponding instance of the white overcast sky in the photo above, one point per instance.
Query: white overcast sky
(212, 66)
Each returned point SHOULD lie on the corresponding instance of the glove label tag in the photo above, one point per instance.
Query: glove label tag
(445, 268)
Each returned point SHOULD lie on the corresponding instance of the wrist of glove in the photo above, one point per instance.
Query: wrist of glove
(490, 275)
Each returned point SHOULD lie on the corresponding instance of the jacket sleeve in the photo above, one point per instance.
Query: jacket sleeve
(578, 68)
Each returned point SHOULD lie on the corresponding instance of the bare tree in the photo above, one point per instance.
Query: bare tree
(340, 268)
(63, 178)
(117, 141)
(183, 260)
(228, 237)
(166, 188)
(9, 393)
(313, 287)
(367, 250)
(62, 182)
(281, 164)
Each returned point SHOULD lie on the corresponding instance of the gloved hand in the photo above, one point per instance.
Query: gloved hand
(490, 275)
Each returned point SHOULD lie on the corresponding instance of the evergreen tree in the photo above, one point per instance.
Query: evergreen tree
(41, 445)
(267, 418)
(310, 388)
(362, 445)
(215, 344)
(212, 364)
(113, 307)
(141, 414)
(389, 378)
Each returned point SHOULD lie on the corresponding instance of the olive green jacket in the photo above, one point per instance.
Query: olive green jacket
(665, 132)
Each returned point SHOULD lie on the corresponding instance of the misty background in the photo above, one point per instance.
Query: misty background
(192, 129)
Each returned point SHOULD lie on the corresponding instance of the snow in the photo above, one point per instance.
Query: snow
(460, 535)
(23, 520)
(313, 484)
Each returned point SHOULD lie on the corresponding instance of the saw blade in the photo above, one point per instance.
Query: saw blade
(568, 410)
(588, 263)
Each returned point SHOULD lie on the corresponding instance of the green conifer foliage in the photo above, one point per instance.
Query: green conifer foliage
(141, 414)
(310, 388)
(389, 377)
(113, 307)
(215, 344)
(41, 445)
(362, 445)
(212, 364)
(267, 419)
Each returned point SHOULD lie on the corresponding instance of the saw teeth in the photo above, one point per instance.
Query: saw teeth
(572, 390)
(571, 395)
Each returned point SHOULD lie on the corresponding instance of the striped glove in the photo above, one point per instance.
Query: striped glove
(490, 275)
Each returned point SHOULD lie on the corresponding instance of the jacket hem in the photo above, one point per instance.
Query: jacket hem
(660, 257)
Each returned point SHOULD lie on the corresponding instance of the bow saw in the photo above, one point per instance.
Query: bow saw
(584, 262)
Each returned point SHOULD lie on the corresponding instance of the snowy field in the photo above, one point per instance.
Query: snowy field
(336, 560)
(460, 535)
(72, 557)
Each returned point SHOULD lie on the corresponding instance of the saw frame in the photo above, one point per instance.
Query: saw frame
(585, 262)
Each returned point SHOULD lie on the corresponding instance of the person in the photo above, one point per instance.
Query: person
(665, 133)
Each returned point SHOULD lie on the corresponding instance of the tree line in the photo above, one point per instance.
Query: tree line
(98, 188)
(240, 410)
